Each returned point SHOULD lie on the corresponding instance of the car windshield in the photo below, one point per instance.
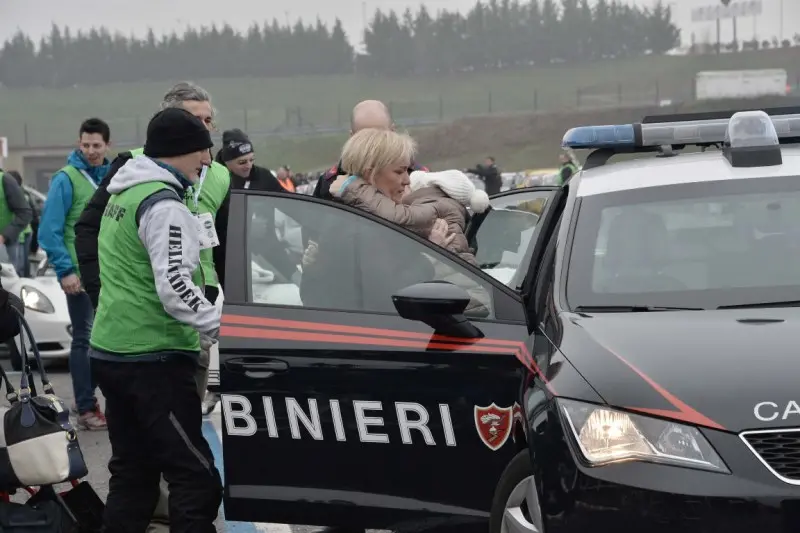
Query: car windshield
(698, 245)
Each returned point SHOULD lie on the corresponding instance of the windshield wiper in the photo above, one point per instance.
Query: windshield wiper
(631, 308)
(788, 303)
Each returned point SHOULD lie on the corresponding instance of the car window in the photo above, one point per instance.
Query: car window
(506, 233)
(688, 245)
(308, 254)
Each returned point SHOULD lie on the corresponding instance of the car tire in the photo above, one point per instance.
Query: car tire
(517, 489)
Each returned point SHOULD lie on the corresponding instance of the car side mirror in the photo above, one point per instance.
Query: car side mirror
(440, 305)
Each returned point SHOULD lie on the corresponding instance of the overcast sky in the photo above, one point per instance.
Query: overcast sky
(35, 16)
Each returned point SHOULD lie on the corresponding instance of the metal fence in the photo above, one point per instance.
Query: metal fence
(326, 117)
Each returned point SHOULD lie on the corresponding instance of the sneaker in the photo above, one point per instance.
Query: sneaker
(92, 421)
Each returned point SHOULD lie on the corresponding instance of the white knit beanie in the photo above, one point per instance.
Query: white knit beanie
(454, 184)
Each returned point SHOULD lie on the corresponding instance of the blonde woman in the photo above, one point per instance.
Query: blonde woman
(409, 201)
(376, 164)
(347, 270)
(377, 180)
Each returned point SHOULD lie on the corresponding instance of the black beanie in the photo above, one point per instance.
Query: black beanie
(235, 143)
(174, 132)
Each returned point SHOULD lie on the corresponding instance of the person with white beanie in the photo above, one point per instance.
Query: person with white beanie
(451, 192)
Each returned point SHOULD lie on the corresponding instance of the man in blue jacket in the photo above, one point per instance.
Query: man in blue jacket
(70, 191)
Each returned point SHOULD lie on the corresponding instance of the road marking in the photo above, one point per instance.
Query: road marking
(212, 430)
(214, 443)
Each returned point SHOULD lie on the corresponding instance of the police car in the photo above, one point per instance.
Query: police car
(623, 360)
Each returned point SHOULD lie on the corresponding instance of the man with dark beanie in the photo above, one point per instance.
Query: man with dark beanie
(239, 157)
(151, 321)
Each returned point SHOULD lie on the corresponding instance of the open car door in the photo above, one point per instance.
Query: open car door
(377, 385)
(503, 237)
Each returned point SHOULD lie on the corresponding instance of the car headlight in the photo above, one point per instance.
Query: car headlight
(607, 436)
(35, 300)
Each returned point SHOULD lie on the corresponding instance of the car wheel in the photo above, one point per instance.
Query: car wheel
(516, 507)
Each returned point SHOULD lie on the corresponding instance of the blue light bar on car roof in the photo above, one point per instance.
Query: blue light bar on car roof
(653, 135)
(601, 137)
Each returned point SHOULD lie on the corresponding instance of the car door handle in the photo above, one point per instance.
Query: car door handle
(257, 368)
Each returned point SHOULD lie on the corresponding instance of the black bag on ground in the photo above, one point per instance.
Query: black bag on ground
(80, 509)
(44, 518)
(86, 508)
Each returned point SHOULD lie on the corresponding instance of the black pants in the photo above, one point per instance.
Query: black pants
(155, 426)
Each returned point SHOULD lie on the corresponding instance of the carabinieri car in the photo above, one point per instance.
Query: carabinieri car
(624, 359)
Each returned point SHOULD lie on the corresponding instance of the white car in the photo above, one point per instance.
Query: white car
(45, 310)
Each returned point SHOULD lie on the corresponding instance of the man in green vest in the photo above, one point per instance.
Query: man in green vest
(567, 169)
(15, 219)
(212, 195)
(152, 319)
(26, 237)
(70, 191)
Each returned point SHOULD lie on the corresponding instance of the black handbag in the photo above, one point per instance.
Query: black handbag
(76, 510)
(46, 517)
(38, 444)
(80, 509)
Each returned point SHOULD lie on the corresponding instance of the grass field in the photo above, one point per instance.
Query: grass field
(519, 141)
(50, 117)
(319, 153)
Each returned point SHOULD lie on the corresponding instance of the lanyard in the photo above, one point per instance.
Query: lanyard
(196, 194)
(88, 178)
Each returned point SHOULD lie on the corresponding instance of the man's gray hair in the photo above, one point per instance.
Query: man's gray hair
(186, 91)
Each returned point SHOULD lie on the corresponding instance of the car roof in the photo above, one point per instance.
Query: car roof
(683, 168)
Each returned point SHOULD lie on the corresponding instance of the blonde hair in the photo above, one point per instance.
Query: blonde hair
(371, 150)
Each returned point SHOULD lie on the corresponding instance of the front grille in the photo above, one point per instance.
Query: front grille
(779, 450)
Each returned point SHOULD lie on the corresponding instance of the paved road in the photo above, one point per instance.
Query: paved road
(97, 451)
